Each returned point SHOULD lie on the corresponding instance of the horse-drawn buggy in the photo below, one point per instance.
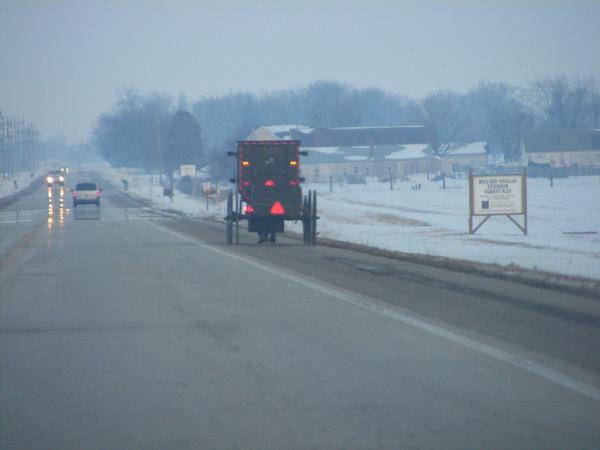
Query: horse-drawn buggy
(268, 191)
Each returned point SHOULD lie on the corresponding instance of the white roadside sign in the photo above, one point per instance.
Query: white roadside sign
(497, 194)
(188, 170)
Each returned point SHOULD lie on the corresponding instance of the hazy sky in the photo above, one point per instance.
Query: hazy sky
(61, 62)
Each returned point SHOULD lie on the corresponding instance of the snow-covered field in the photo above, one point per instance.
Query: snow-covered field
(564, 220)
(434, 221)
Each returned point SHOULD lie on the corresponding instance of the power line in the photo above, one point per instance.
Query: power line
(19, 146)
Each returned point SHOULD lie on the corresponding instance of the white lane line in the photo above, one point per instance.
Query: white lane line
(512, 359)
(15, 221)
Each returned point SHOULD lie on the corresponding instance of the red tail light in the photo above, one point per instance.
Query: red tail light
(294, 182)
(248, 209)
(270, 183)
(277, 209)
(245, 183)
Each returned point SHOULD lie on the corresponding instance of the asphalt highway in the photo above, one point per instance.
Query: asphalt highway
(124, 328)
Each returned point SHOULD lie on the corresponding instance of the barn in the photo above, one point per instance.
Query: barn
(571, 149)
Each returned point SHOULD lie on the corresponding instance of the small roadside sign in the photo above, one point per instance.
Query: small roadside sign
(188, 170)
(498, 195)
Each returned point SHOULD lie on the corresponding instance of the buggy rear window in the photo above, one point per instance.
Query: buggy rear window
(269, 160)
(85, 187)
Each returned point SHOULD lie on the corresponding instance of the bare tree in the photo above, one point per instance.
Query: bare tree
(133, 134)
(331, 104)
(593, 89)
(501, 116)
(446, 120)
(184, 143)
(567, 102)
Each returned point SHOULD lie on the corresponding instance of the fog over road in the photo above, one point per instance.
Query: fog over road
(123, 328)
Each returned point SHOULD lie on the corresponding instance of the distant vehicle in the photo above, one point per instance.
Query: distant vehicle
(86, 194)
(55, 177)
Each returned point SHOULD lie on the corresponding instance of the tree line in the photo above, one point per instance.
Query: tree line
(152, 131)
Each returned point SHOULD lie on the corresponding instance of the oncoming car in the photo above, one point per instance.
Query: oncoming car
(55, 177)
(86, 193)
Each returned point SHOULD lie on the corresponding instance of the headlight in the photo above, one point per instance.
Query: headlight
(49, 179)
(61, 178)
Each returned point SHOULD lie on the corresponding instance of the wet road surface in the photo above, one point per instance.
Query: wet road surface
(122, 328)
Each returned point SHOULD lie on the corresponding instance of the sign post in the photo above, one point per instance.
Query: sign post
(498, 195)
(189, 170)
(209, 190)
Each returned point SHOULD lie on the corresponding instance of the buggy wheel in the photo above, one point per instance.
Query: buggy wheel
(229, 231)
(229, 219)
(313, 220)
(304, 231)
(307, 218)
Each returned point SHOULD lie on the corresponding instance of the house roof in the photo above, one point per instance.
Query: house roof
(470, 148)
(409, 151)
(262, 134)
(284, 130)
(561, 140)
(353, 136)
(339, 154)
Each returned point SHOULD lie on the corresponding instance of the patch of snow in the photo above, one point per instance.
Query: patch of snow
(409, 151)
(433, 221)
(328, 150)
(305, 130)
(356, 158)
(148, 187)
(284, 128)
(472, 148)
(22, 179)
(378, 127)
(262, 134)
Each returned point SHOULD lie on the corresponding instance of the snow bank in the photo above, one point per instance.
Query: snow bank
(23, 180)
(148, 187)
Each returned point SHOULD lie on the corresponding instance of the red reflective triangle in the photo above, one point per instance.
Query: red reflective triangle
(277, 208)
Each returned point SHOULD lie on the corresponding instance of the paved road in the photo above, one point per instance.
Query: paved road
(125, 329)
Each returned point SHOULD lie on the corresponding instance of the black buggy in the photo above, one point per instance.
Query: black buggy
(268, 191)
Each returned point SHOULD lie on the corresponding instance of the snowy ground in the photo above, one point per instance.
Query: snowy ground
(23, 180)
(564, 220)
(149, 188)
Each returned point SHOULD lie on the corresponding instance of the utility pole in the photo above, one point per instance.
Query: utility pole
(3, 145)
(19, 146)
(158, 148)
